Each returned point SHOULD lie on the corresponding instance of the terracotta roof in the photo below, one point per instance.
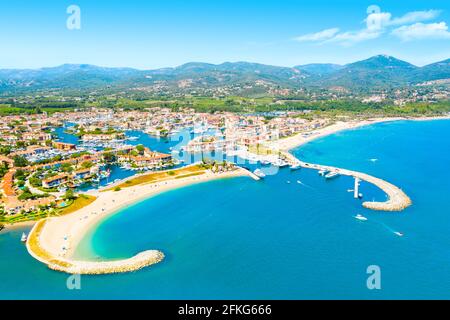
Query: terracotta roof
(8, 181)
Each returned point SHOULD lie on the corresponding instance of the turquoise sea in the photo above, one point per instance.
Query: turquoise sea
(291, 236)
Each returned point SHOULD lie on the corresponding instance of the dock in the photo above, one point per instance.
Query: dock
(139, 261)
(397, 199)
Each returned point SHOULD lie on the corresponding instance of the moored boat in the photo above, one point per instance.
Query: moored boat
(332, 175)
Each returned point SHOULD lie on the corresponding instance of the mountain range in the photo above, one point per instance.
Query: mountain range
(380, 71)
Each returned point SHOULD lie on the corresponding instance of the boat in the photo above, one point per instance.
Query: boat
(360, 217)
(259, 173)
(280, 163)
(105, 174)
(398, 234)
(331, 175)
(24, 237)
(323, 172)
(295, 167)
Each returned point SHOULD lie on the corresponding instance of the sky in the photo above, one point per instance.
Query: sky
(165, 33)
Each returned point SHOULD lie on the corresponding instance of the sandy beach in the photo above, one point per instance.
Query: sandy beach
(295, 141)
(61, 235)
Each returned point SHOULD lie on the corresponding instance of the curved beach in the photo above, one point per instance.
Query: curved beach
(54, 240)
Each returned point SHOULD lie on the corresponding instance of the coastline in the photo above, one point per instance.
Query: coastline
(24, 224)
(397, 199)
(289, 143)
(58, 237)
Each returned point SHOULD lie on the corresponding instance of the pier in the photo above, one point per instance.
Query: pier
(139, 261)
(397, 199)
(356, 189)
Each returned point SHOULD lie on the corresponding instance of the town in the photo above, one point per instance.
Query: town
(42, 174)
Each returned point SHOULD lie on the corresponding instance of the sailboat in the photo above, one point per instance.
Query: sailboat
(24, 237)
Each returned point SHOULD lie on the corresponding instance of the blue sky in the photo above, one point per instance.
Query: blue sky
(162, 33)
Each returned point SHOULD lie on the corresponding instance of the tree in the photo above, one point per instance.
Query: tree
(35, 182)
(87, 164)
(20, 161)
(70, 195)
(109, 157)
(66, 167)
(140, 148)
(5, 150)
(20, 144)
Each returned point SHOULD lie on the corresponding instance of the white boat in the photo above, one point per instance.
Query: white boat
(280, 163)
(323, 172)
(295, 167)
(331, 175)
(398, 234)
(24, 237)
(360, 217)
(105, 174)
(259, 173)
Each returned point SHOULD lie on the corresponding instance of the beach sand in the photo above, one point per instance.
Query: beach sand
(286, 144)
(289, 143)
(61, 235)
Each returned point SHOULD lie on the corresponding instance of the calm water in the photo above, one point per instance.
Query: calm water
(237, 238)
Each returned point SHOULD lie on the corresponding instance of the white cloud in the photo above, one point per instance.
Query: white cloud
(318, 36)
(422, 31)
(415, 16)
(349, 38)
(409, 26)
